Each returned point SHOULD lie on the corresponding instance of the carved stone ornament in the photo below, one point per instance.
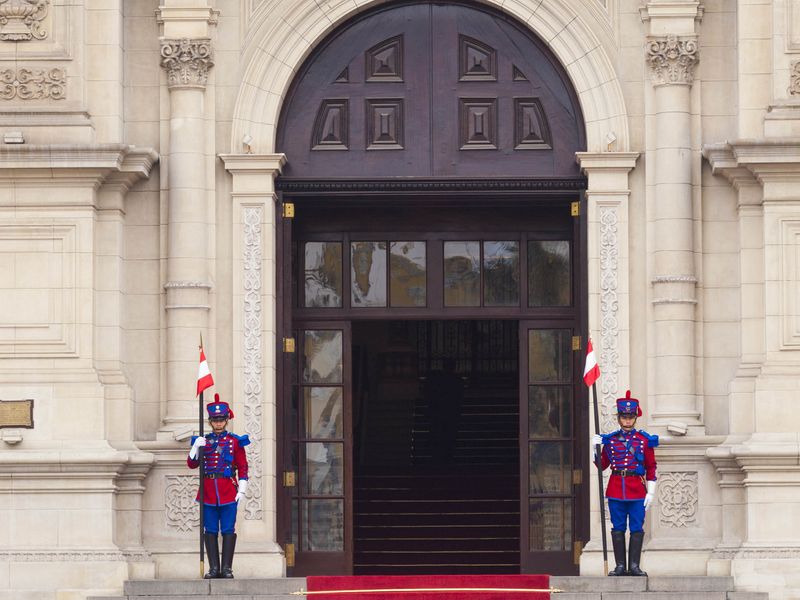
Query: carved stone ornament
(253, 357)
(181, 509)
(21, 20)
(33, 84)
(609, 321)
(794, 81)
(672, 59)
(187, 62)
(678, 498)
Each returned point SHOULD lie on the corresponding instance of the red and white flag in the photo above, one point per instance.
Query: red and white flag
(591, 371)
(204, 379)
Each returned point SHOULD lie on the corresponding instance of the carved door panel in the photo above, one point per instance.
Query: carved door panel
(431, 90)
(488, 97)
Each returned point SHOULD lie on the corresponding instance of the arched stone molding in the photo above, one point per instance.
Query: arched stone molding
(286, 32)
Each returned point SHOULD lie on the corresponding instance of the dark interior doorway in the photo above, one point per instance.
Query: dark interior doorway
(436, 446)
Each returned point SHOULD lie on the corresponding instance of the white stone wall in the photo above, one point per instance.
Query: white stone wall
(88, 285)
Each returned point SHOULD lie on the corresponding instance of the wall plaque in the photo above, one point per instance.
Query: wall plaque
(16, 413)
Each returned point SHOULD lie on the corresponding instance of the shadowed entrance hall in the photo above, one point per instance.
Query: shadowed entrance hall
(436, 454)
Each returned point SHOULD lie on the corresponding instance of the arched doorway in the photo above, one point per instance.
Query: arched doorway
(433, 279)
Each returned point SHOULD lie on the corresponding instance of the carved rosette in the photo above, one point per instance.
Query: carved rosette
(33, 84)
(181, 509)
(609, 322)
(794, 81)
(187, 62)
(678, 498)
(252, 356)
(21, 20)
(672, 59)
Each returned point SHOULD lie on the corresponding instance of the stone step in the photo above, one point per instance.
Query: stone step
(574, 588)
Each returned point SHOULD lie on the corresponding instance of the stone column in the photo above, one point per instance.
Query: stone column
(187, 62)
(672, 60)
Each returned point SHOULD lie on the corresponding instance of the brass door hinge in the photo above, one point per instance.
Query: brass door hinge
(288, 344)
(576, 342)
(577, 550)
(575, 209)
(289, 551)
(289, 479)
(287, 210)
(577, 477)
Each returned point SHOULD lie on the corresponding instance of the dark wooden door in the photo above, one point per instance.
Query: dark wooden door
(551, 499)
(431, 90)
(318, 450)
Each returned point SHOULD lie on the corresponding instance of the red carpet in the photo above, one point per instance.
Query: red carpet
(508, 587)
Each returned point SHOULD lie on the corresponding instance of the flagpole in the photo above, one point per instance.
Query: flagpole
(598, 449)
(202, 475)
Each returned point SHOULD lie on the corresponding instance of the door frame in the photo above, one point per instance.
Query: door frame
(449, 194)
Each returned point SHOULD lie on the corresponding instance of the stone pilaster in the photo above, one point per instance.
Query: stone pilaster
(187, 63)
(758, 462)
(672, 55)
(608, 253)
(254, 341)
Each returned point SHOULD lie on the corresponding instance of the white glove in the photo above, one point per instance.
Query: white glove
(201, 441)
(243, 489)
(651, 493)
(597, 440)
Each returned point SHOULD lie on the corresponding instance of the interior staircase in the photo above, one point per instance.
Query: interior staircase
(575, 588)
(434, 521)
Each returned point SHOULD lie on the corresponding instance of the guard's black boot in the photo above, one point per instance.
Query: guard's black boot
(635, 554)
(618, 539)
(212, 550)
(228, 546)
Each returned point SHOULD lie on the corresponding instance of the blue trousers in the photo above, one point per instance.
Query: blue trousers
(624, 512)
(219, 518)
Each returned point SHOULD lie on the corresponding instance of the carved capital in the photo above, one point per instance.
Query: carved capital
(21, 20)
(672, 59)
(187, 62)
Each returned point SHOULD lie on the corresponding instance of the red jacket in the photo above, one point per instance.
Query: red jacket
(225, 459)
(631, 451)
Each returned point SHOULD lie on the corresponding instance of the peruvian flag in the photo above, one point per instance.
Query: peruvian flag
(204, 379)
(591, 371)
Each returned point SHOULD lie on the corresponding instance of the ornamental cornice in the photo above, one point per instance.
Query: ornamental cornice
(268, 163)
(187, 62)
(766, 159)
(672, 59)
(49, 161)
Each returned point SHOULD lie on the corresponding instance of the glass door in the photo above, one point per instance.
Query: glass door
(549, 479)
(320, 452)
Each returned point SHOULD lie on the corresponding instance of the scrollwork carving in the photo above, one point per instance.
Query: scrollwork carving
(21, 20)
(678, 498)
(609, 323)
(187, 62)
(794, 81)
(252, 356)
(672, 59)
(33, 84)
(181, 509)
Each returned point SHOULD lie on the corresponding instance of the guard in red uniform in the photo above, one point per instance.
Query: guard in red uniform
(224, 484)
(632, 485)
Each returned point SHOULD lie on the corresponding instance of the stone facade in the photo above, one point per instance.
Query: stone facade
(137, 208)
